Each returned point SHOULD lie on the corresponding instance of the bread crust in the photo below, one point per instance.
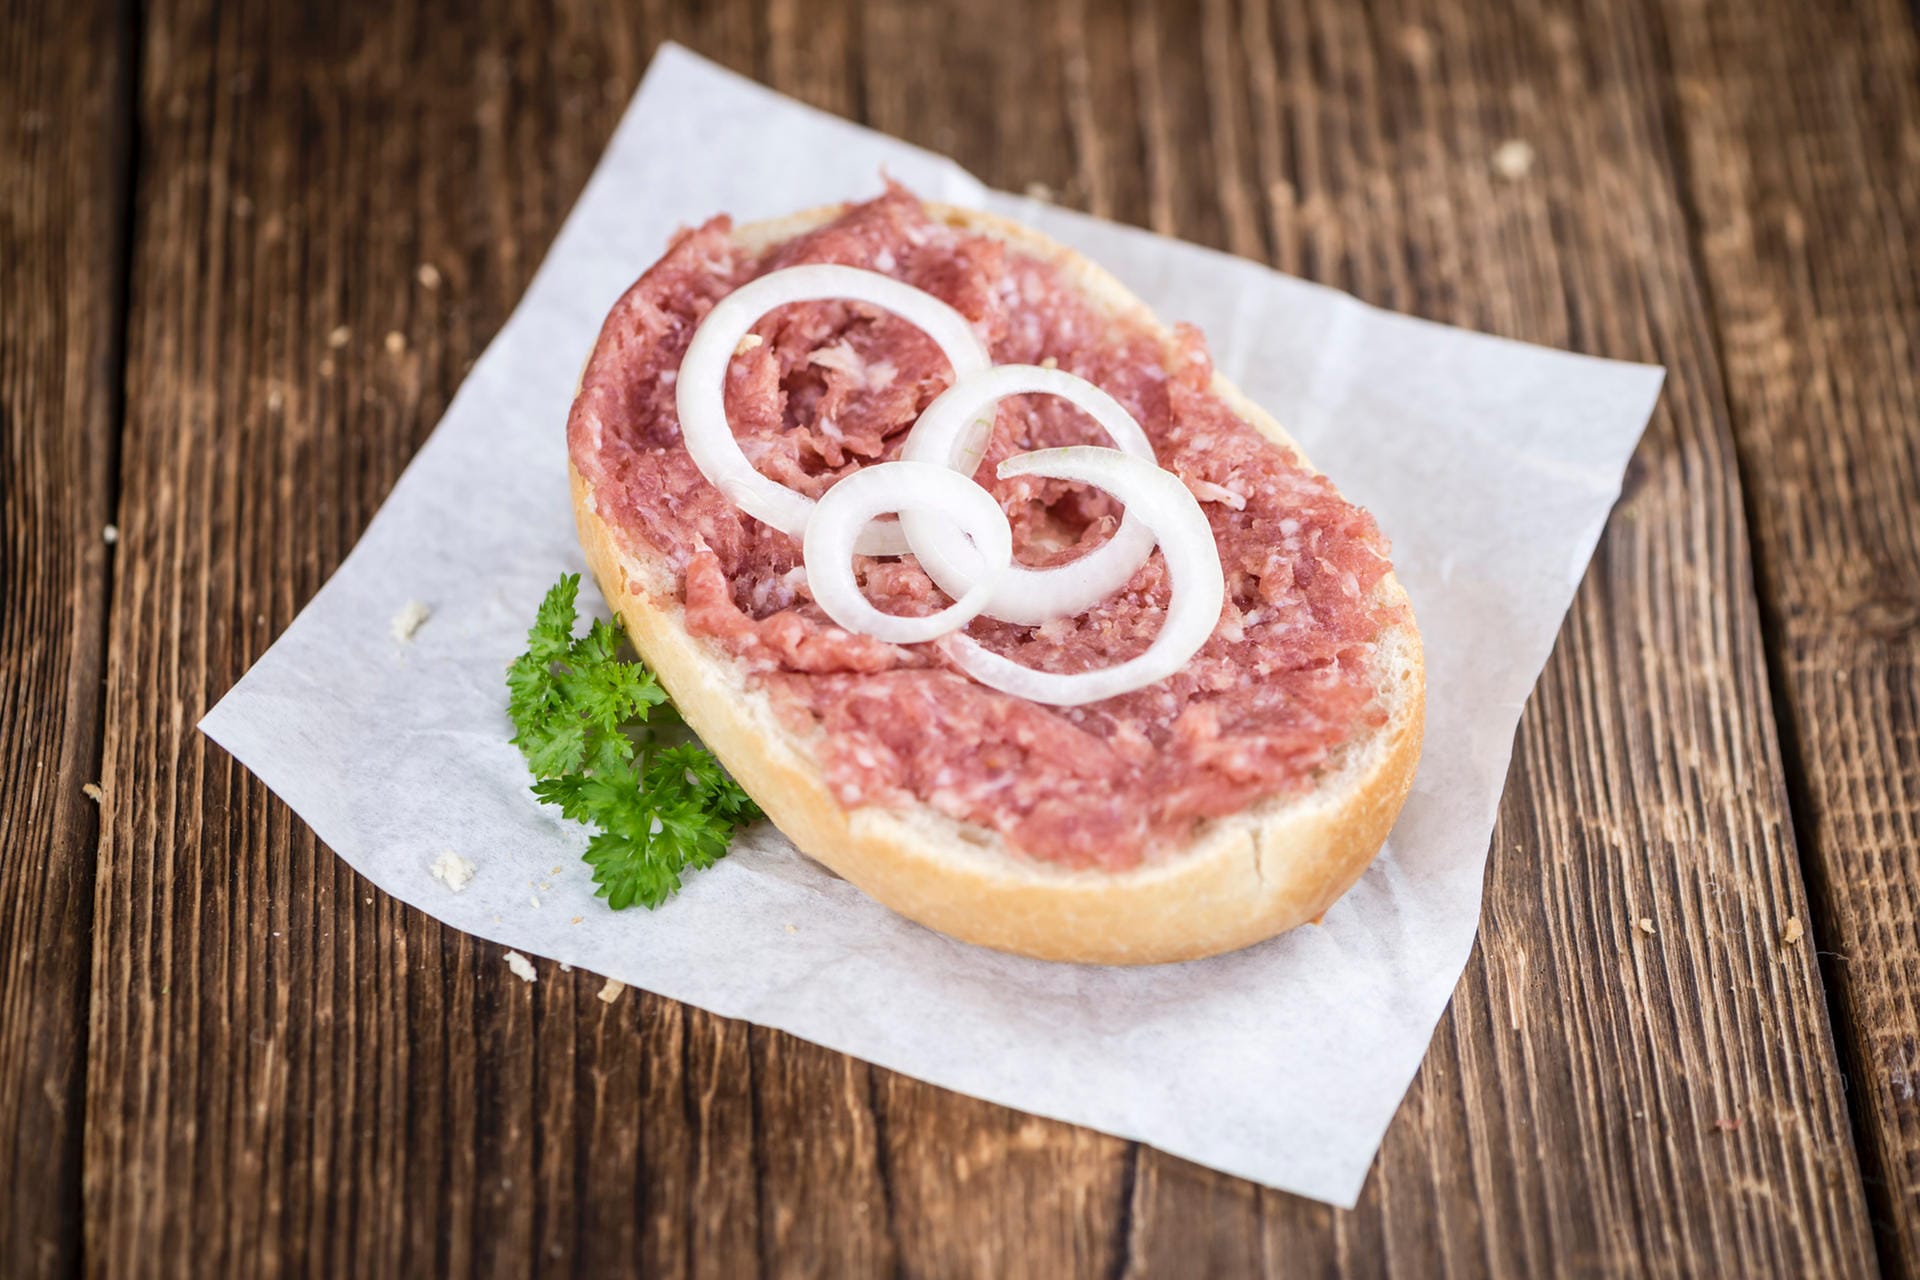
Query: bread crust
(1241, 879)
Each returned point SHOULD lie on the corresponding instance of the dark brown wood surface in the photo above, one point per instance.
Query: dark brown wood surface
(64, 166)
(1810, 256)
(283, 1070)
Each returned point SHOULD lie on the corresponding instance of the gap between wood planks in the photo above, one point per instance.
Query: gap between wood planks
(130, 53)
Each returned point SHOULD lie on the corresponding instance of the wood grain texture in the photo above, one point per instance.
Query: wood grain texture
(64, 164)
(288, 1072)
(1598, 1098)
(1809, 257)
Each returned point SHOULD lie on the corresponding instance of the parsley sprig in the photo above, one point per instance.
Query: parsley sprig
(598, 734)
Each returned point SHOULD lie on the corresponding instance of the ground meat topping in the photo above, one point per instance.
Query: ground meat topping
(821, 389)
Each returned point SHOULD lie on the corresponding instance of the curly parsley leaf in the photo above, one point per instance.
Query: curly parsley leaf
(581, 716)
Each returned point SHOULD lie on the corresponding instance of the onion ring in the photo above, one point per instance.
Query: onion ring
(835, 525)
(953, 431)
(700, 389)
(1193, 565)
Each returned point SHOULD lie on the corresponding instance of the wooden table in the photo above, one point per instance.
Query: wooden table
(246, 254)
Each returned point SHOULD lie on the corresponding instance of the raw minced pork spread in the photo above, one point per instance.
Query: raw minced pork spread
(828, 387)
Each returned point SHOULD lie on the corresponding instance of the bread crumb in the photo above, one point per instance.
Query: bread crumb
(522, 967)
(533, 900)
(612, 991)
(326, 367)
(1793, 932)
(1644, 924)
(793, 928)
(452, 870)
(1051, 362)
(747, 344)
(1513, 159)
(111, 534)
(556, 871)
(412, 614)
(1039, 191)
(428, 275)
(396, 342)
(91, 790)
(340, 336)
(565, 967)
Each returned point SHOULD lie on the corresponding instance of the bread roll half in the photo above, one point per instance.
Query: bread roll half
(1239, 879)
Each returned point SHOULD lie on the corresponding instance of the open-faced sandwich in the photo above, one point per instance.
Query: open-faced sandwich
(994, 595)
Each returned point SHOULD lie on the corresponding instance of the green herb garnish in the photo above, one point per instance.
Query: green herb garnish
(608, 748)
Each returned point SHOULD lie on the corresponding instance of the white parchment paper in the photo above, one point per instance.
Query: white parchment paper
(1491, 464)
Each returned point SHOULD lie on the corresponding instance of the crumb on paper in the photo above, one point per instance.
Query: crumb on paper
(1039, 191)
(453, 870)
(110, 534)
(533, 900)
(522, 967)
(611, 991)
(409, 620)
(1793, 932)
(793, 928)
(1727, 1124)
(1644, 924)
(91, 790)
(576, 920)
(1513, 159)
(556, 871)
(746, 344)
(396, 342)
(340, 336)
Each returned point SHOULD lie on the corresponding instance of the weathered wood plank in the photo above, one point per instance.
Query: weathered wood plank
(65, 73)
(1801, 131)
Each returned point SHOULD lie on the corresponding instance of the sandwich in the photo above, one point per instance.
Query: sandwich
(998, 600)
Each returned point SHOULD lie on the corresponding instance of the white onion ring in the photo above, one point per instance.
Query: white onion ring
(850, 506)
(700, 389)
(1193, 566)
(953, 432)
